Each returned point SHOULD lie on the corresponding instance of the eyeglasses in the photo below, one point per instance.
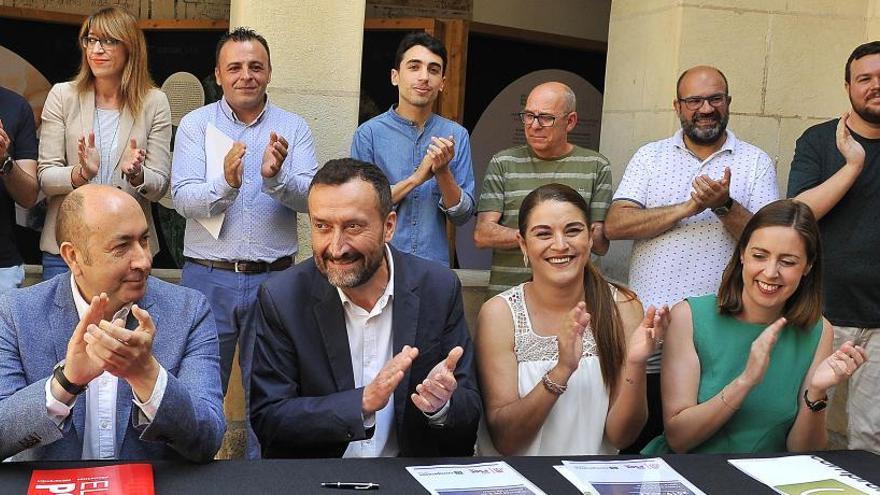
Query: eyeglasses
(107, 44)
(544, 119)
(695, 102)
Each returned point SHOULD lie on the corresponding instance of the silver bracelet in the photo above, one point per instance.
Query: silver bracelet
(553, 387)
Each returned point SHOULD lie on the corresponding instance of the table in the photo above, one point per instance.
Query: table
(710, 473)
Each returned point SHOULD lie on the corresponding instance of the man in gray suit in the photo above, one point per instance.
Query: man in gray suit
(77, 351)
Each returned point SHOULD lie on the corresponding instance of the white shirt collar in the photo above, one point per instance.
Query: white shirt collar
(389, 288)
(229, 112)
(82, 306)
(729, 143)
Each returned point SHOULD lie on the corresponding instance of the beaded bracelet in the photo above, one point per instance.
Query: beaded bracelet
(553, 387)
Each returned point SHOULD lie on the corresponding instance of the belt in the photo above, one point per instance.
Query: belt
(246, 266)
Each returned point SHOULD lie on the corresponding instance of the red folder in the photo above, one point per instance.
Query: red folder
(122, 479)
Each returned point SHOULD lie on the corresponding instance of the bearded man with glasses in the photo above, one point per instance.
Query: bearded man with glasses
(547, 157)
(684, 200)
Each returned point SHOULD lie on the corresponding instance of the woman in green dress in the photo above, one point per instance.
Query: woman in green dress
(749, 370)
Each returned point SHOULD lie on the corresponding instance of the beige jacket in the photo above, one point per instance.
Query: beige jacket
(67, 115)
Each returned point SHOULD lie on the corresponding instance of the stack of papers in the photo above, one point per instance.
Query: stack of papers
(487, 478)
(629, 477)
(804, 475)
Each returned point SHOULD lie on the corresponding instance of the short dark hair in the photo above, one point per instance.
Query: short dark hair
(420, 38)
(804, 308)
(869, 48)
(344, 170)
(240, 35)
(716, 69)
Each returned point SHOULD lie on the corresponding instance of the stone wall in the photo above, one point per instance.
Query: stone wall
(784, 60)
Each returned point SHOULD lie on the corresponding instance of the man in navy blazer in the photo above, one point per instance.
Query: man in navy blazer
(362, 350)
(108, 362)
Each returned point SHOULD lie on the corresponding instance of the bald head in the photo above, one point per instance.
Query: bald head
(698, 76)
(78, 211)
(557, 91)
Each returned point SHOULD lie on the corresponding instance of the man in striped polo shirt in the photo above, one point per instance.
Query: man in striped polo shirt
(547, 157)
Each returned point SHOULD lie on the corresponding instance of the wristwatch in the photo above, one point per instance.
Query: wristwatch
(7, 165)
(816, 405)
(70, 388)
(723, 209)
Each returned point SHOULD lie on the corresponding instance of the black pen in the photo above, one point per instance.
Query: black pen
(351, 486)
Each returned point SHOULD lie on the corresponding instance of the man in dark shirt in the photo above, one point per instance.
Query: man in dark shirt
(835, 171)
(18, 178)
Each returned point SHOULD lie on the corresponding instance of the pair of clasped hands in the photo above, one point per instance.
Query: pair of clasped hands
(131, 163)
(98, 345)
(642, 344)
(709, 193)
(833, 370)
(440, 152)
(273, 157)
(430, 396)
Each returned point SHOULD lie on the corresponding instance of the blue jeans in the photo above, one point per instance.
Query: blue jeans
(11, 277)
(53, 264)
(233, 298)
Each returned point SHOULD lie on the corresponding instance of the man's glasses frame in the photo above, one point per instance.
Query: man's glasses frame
(715, 101)
(544, 119)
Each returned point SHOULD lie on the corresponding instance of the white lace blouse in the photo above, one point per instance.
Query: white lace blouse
(576, 424)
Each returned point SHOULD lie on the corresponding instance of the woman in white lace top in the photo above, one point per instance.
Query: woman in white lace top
(557, 373)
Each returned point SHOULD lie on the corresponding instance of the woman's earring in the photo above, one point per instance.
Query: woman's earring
(525, 260)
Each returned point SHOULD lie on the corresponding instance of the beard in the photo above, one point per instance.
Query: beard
(867, 114)
(705, 135)
(356, 276)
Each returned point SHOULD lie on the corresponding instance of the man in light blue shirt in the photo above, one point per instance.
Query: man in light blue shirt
(426, 157)
(265, 181)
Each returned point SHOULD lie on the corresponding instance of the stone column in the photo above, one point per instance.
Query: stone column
(316, 68)
(784, 60)
(316, 72)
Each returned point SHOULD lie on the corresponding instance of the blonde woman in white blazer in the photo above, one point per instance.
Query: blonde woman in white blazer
(109, 125)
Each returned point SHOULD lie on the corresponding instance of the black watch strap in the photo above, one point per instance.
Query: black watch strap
(815, 405)
(62, 380)
(725, 208)
(7, 165)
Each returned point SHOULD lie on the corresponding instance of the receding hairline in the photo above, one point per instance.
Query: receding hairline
(560, 90)
(700, 68)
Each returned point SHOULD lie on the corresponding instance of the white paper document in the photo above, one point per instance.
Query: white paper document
(627, 477)
(217, 145)
(487, 478)
(804, 475)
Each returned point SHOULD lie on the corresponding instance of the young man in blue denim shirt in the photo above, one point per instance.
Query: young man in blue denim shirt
(426, 157)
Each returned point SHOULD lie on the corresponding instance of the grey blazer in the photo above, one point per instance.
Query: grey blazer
(67, 115)
(35, 325)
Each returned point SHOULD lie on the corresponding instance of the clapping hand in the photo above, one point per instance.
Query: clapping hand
(378, 391)
(852, 151)
(233, 165)
(570, 340)
(132, 162)
(440, 151)
(648, 337)
(759, 355)
(4, 142)
(274, 156)
(838, 367)
(709, 193)
(89, 158)
(437, 388)
(127, 354)
(79, 369)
